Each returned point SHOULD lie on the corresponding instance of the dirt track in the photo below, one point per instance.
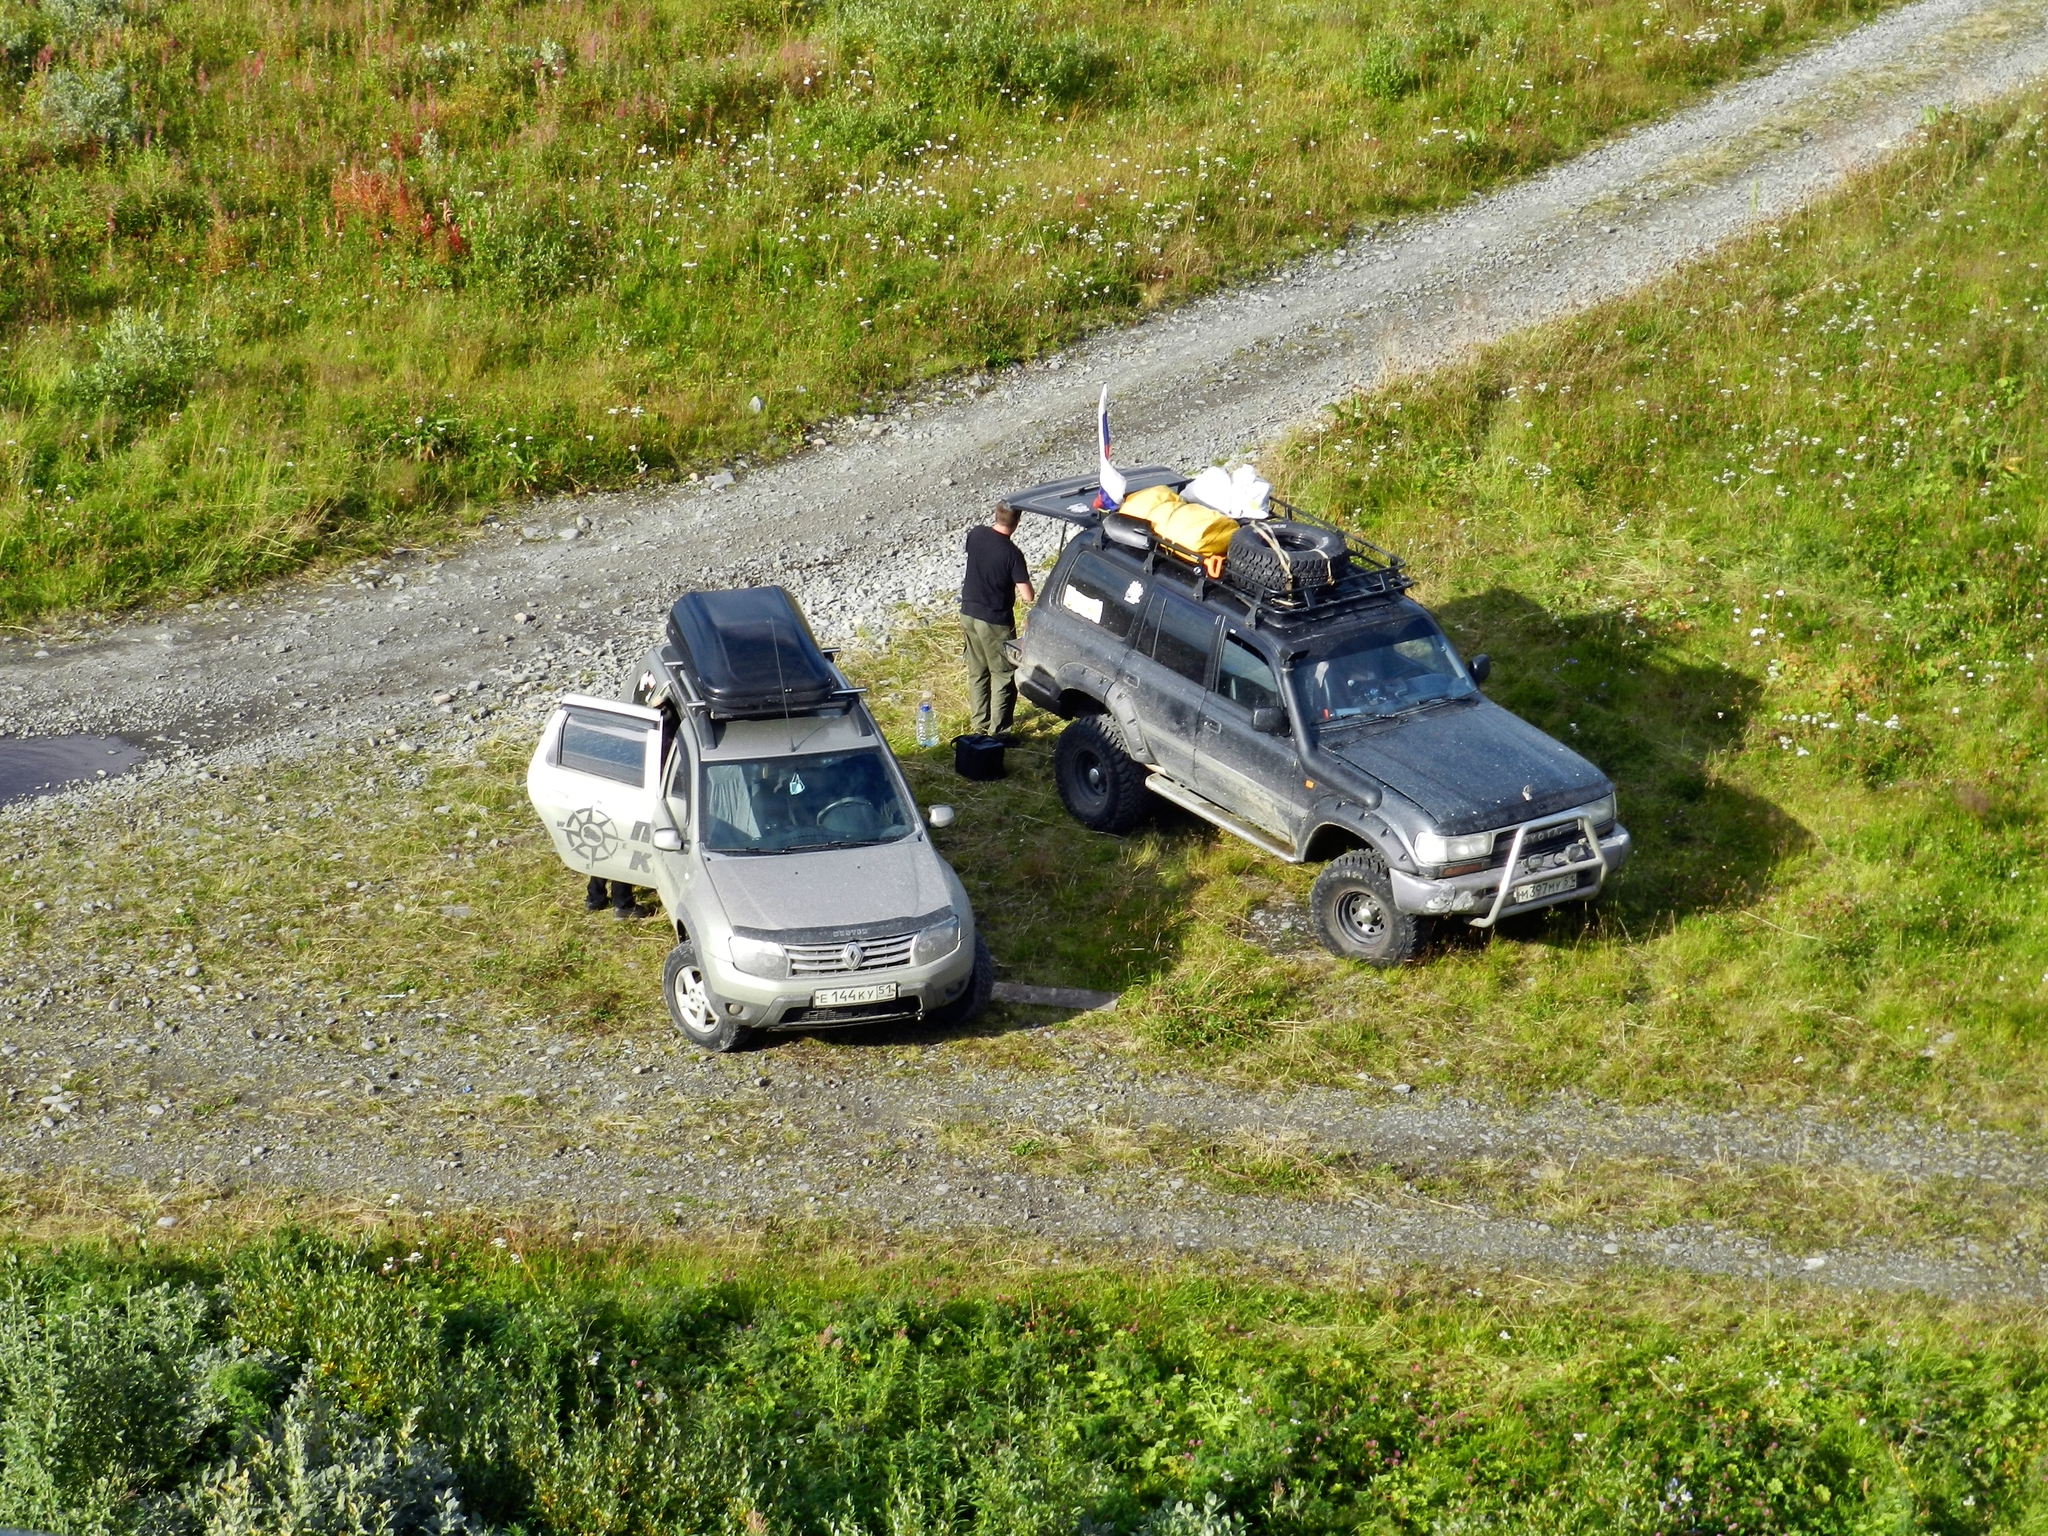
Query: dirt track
(865, 521)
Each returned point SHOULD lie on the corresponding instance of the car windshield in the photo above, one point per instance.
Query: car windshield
(1382, 671)
(831, 800)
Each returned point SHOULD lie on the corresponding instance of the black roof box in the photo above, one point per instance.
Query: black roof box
(748, 653)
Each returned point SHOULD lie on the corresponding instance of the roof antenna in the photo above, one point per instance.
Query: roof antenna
(775, 644)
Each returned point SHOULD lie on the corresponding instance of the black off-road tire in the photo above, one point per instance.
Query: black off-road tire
(696, 1013)
(1310, 557)
(972, 1003)
(1352, 907)
(1101, 785)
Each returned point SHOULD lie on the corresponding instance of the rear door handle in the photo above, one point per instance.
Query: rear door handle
(1213, 725)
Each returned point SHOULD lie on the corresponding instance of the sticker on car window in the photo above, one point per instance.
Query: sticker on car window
(1134, 591)
(1090, 608)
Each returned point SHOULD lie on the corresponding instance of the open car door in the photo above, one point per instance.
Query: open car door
(595, 780)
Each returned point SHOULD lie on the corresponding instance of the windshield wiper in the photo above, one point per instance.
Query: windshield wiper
(1442, 698)
(1395, 714)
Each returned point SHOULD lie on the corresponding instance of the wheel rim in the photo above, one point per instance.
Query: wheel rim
(1091, 778)
(1362, 918)
(693, 1001)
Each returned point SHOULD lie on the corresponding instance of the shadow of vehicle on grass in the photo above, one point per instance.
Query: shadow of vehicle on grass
(1654, 721)
(1058, 905)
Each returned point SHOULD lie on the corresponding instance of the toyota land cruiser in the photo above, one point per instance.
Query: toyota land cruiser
(1293, 694)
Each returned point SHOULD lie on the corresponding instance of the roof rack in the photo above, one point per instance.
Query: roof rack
(1375, 575)
(747, 654)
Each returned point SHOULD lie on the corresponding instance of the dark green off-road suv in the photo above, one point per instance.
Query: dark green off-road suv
(1293, 694)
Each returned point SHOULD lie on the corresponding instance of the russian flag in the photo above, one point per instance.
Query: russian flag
(1111, 496)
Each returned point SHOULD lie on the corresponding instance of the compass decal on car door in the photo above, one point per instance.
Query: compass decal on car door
(590, 835)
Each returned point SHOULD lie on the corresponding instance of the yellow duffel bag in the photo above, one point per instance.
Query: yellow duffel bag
(1187, 528)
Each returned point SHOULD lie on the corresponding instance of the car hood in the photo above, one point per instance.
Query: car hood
(1471, 766)
(830, 895)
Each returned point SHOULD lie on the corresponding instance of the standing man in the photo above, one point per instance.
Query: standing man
(997, 578)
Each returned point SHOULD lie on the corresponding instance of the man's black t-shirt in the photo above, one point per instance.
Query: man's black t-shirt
(995, 567)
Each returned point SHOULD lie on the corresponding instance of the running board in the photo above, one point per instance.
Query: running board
(1214, 814)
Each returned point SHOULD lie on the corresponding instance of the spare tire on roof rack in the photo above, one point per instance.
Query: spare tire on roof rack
(1275, 558)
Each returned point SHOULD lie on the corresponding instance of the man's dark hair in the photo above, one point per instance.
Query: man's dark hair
(1004, 517)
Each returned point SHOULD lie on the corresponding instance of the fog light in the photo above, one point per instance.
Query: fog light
(735, 1009)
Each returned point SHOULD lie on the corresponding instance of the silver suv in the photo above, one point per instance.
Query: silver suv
(741, 776)
(1291, 693)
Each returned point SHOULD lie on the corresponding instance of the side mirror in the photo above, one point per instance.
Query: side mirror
(1480, 666)
(940, 816)
(1269, 720)
(668, 839)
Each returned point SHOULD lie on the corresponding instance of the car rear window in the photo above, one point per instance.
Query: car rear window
(610, 746)
(1103, 595)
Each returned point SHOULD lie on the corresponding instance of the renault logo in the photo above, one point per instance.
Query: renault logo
(853, 955)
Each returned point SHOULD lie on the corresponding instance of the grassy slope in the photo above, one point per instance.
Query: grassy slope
(671, 1390)
(401, 258)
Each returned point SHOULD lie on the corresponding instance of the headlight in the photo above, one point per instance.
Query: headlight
(1431, 848)
(1601, 810)
(757, 957)
(936, 942)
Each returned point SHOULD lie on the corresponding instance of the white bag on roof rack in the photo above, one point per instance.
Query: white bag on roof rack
(1238, 493)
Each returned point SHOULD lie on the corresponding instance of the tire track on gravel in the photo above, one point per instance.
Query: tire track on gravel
(618, 1131)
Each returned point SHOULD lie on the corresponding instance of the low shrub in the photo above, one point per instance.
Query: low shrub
(143, 365)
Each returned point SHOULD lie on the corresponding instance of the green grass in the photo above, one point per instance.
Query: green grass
(281, 280)
(659, 1389)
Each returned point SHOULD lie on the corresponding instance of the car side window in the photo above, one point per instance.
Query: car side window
(1243, 677)
(679, 775)
(1180, 637)
(609, 746)
(1102, 595)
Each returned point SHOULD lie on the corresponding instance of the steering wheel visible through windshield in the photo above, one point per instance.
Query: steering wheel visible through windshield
(1370, 673)
(772, 805)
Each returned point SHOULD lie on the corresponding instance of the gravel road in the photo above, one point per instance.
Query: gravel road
(445, 645)
(217, 1100)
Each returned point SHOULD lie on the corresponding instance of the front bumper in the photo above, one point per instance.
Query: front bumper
(1476, 896)
(787, 1002)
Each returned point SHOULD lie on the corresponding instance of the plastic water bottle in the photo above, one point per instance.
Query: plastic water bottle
(927, 724)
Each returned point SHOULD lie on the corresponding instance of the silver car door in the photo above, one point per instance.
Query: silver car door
(593, 780)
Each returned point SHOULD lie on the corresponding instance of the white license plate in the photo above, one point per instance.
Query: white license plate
(840, 997)
(1543, 888)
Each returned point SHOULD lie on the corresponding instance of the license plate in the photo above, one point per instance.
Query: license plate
(840, 997)
(1543, 888)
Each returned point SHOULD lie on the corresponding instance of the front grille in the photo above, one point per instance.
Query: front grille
(1542, 840)
(857, 1013)
(836, 959)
